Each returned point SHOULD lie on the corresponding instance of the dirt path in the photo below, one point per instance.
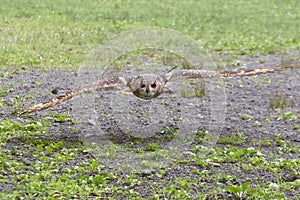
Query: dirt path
(249, 112)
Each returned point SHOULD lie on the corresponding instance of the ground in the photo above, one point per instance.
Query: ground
(259, 140)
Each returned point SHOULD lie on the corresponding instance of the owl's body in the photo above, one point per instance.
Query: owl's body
(148, 86)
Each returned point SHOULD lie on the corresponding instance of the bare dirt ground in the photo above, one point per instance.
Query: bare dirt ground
(249, 111)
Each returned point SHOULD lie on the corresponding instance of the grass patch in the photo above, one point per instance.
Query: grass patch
(192, 88)
(236, 139)
(58, 34)
(280, 100)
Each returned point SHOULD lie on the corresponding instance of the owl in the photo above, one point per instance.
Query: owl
(147, 86)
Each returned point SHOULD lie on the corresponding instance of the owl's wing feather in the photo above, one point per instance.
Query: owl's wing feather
(114, 82)
(185, 74)
(251, 72)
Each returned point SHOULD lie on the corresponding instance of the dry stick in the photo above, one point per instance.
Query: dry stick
(65, 97)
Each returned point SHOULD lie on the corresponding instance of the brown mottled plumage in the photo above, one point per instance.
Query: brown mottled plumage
(114, 82)
(148, 86)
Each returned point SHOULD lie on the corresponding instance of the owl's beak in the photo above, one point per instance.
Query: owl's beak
(147, 90)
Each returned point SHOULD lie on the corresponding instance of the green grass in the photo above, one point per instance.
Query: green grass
(280, 100)
(37, 163)
(236, 139)
(44, 166)
(58, 34)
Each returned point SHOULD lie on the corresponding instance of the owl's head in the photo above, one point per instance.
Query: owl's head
(147, 86)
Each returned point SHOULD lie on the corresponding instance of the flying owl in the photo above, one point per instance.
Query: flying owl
(147, 86)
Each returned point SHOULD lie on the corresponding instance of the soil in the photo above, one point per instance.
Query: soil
(248, 108)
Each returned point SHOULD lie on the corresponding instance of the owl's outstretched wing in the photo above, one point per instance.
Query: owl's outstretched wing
(114, 82)
(185, 74)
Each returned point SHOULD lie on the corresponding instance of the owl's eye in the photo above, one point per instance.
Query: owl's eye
(153, 85)
(143, 85)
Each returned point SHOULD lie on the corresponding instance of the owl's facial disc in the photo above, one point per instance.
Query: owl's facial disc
(147, 90)
(147, 86)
